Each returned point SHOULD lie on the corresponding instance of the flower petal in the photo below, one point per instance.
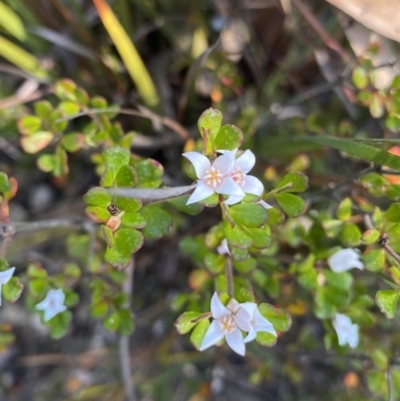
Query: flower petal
(235, 341)
(213, 335)
(263, 324)
(352, 338)
(200, 162)
(253, 186)
(246, 161)
(229, 187)
(251, 336)
(6, 275)
(224, 163)
(223, 248)
(232, 200)
(201, 192)
(218, 310)
(344, 260)
(265, 205)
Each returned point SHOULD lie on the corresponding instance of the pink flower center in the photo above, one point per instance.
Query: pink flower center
(212, 177)
(238, 176)
(227, 324)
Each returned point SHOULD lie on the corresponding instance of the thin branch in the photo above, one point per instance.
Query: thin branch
(41, 225)
(148, 195)
(391, 393)
(124, 352)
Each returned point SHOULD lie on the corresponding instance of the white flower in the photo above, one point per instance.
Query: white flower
(5, 277)
(346, 331)
(223, 248)
(53, 304)
(226, 324)
(213, 178)
(258, 322)
(249, 184)
(344, 260)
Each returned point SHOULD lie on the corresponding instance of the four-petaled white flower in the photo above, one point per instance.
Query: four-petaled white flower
(5, 277)
(249, 184)
(346, 331)
(226, 324)
(223, 248)
(213, 178)
(53, 304)
(257, 323)
(344, 260)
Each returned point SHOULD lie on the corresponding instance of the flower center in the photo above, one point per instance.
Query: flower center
(213, 177)
(238, 176)
(227, 324)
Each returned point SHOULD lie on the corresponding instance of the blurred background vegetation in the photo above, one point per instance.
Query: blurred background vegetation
(278, 69)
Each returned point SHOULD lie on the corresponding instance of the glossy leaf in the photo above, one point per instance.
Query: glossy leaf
(291, 204)
(249, 214)
(229, 137)
(185, 323)
(387, 302)
(159, 222)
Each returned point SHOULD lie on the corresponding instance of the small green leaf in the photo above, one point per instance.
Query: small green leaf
(59, 324)
(69, 108)
(72, 270)
(134, 220)
(99, 309)
(278, 317)
(249, 214)
(238, 254)
(245, 266)
(332, 227)
(98, 213)
(46, 163)
(344, 209)
(116, 157)
(237, 237)
(374, 260)
(125, 322)
(185, 323)
(214, 263)
(128, 204)
(229, 137)
(261, 237)
(209, 125)
(370, 236)
(387, 302)
(376, 108)
(275, 217)
(126, 177)
(65, 89)
(159, 222)
(199, 332)
(72, 142)
(128, 240)
(43, 109)
(12, 290)
(5, 185)
(28, 125)
(393, 213)
(360, 77)
(244, 295)
(111, 322)
(36, 142)
(351, 234)
(291, 204)
(298, 182)
(149, 172)
(97, 196)
(266, 339)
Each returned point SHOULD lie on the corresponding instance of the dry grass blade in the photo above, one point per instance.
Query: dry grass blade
(129, 54)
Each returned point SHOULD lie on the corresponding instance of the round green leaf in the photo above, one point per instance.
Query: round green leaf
(128, 240)
(185, 323)
(360, 77)
(344, 209)
(97, 213)
(266, 339)
(387, 302)
(351, 234)
(97, 196)
(209, 124)
(43, 109)
(291, 204)
(214, 263)
(116, 157)
(128, 204)
(12, 290)
(374, 260)
(111, 322)
(249, 214)
(159, 222)
(5, 185)
(36, 142)
(126, 177)
(134, 220)
(72, 142)
(393, 213)
(229, 137)
(65, 89)
(199, 332)
(278, 317)
(237, 237)
(28, 125)
(293, 182)
(59, 324)
(149, 172)
(46, 163)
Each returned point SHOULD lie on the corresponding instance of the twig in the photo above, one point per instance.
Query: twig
(124, 352)
(329, 41)
(41, 225)
(390, 383)
(143, 113)
(148, 195)
(229, 276)
(383, 241)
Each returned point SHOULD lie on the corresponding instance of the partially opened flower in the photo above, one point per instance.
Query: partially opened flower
(5, 277)
(249, 184)
(344, 260)
(213, 178)
(257, 323)
(346, 331)
(226, 324)
(223, 248)
(53, 304)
